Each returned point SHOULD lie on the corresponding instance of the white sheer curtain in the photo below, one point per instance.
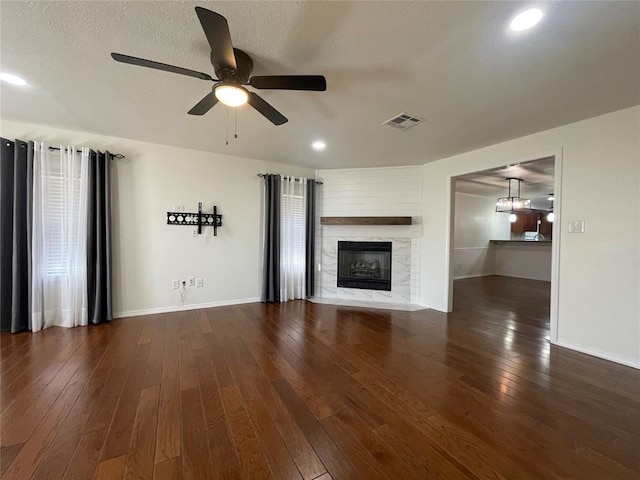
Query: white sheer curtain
(59, 241)
(292, 244)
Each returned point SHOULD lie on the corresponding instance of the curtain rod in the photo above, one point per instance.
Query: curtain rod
(265, 174)
(114, 155)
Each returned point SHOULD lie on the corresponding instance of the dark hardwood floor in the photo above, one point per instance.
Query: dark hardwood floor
(304, 390)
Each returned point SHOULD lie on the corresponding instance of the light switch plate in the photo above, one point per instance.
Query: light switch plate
(192, 281)
(576, 226)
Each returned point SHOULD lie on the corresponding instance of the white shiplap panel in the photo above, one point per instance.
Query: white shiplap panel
(368, 172)
(348, 211)
(368, 192)
(376, 181)
(384, 191)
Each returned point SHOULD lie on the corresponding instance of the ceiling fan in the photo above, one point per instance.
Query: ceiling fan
(233, 68)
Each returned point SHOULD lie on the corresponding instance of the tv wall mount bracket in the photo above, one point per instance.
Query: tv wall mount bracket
(198, 219)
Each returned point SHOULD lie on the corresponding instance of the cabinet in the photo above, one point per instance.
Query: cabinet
(526, 222)
(546, 226)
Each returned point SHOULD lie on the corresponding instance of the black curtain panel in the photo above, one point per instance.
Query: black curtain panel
(16, 213)
(310, 239)
(99, 238)
(271, 263)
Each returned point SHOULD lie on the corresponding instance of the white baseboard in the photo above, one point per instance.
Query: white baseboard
(461, 277)
(180, 308)
(594, 353)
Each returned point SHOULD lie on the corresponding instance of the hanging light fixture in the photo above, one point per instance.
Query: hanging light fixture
(550, 215)
(512, 202)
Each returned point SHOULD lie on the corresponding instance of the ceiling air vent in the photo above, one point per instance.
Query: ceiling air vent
(403, 121)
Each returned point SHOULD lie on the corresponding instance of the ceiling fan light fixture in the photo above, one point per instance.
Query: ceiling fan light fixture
(233, 68)
(232, 95)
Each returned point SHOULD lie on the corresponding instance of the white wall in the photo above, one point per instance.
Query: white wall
(394, 191)
(148, 253)
(599, 270)
(530, 260)
(476, 222)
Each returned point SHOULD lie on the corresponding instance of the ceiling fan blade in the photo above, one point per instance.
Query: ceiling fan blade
(217, 31)
(290, 82)
(273, 115)
(204, 105)
(141, 62)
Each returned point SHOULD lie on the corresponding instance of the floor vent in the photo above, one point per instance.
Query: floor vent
(403, 121)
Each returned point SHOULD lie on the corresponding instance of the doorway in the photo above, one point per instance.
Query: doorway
(499, 253)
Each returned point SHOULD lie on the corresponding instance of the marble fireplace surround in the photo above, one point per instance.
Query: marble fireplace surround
(405, 249)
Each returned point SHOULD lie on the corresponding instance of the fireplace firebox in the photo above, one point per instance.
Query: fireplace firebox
(364, 265)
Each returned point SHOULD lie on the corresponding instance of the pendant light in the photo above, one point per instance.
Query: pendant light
(550, 215)
(513, 202)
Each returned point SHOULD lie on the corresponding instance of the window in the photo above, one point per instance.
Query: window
(293, 220)
(61, 210)
(292, 239)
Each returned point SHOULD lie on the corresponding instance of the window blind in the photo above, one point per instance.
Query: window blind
(61, 209)
(294, 242)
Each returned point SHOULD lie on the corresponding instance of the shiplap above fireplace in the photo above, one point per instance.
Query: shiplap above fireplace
(365, 220)
(376, 204)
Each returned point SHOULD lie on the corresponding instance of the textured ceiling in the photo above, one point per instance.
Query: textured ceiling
(453, 63)
(537, 181)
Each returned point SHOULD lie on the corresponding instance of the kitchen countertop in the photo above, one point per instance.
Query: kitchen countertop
(498, 242)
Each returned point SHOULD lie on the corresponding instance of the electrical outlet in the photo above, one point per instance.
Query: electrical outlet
(192, 281)
(199, 282)
(194, 232)
(175, 284)
(178, 208)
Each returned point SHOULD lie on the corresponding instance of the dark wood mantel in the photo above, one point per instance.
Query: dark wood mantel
(365, 220)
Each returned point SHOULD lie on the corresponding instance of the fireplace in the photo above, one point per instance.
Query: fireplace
(364, 265)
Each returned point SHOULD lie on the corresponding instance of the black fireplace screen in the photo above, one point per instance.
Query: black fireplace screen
(364, 265)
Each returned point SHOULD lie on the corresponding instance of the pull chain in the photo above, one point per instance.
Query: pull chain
(227, 142)
(235, 134)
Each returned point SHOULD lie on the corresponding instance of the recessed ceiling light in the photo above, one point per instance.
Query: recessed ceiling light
(13, 79)
(526, 19)
(318, 145)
